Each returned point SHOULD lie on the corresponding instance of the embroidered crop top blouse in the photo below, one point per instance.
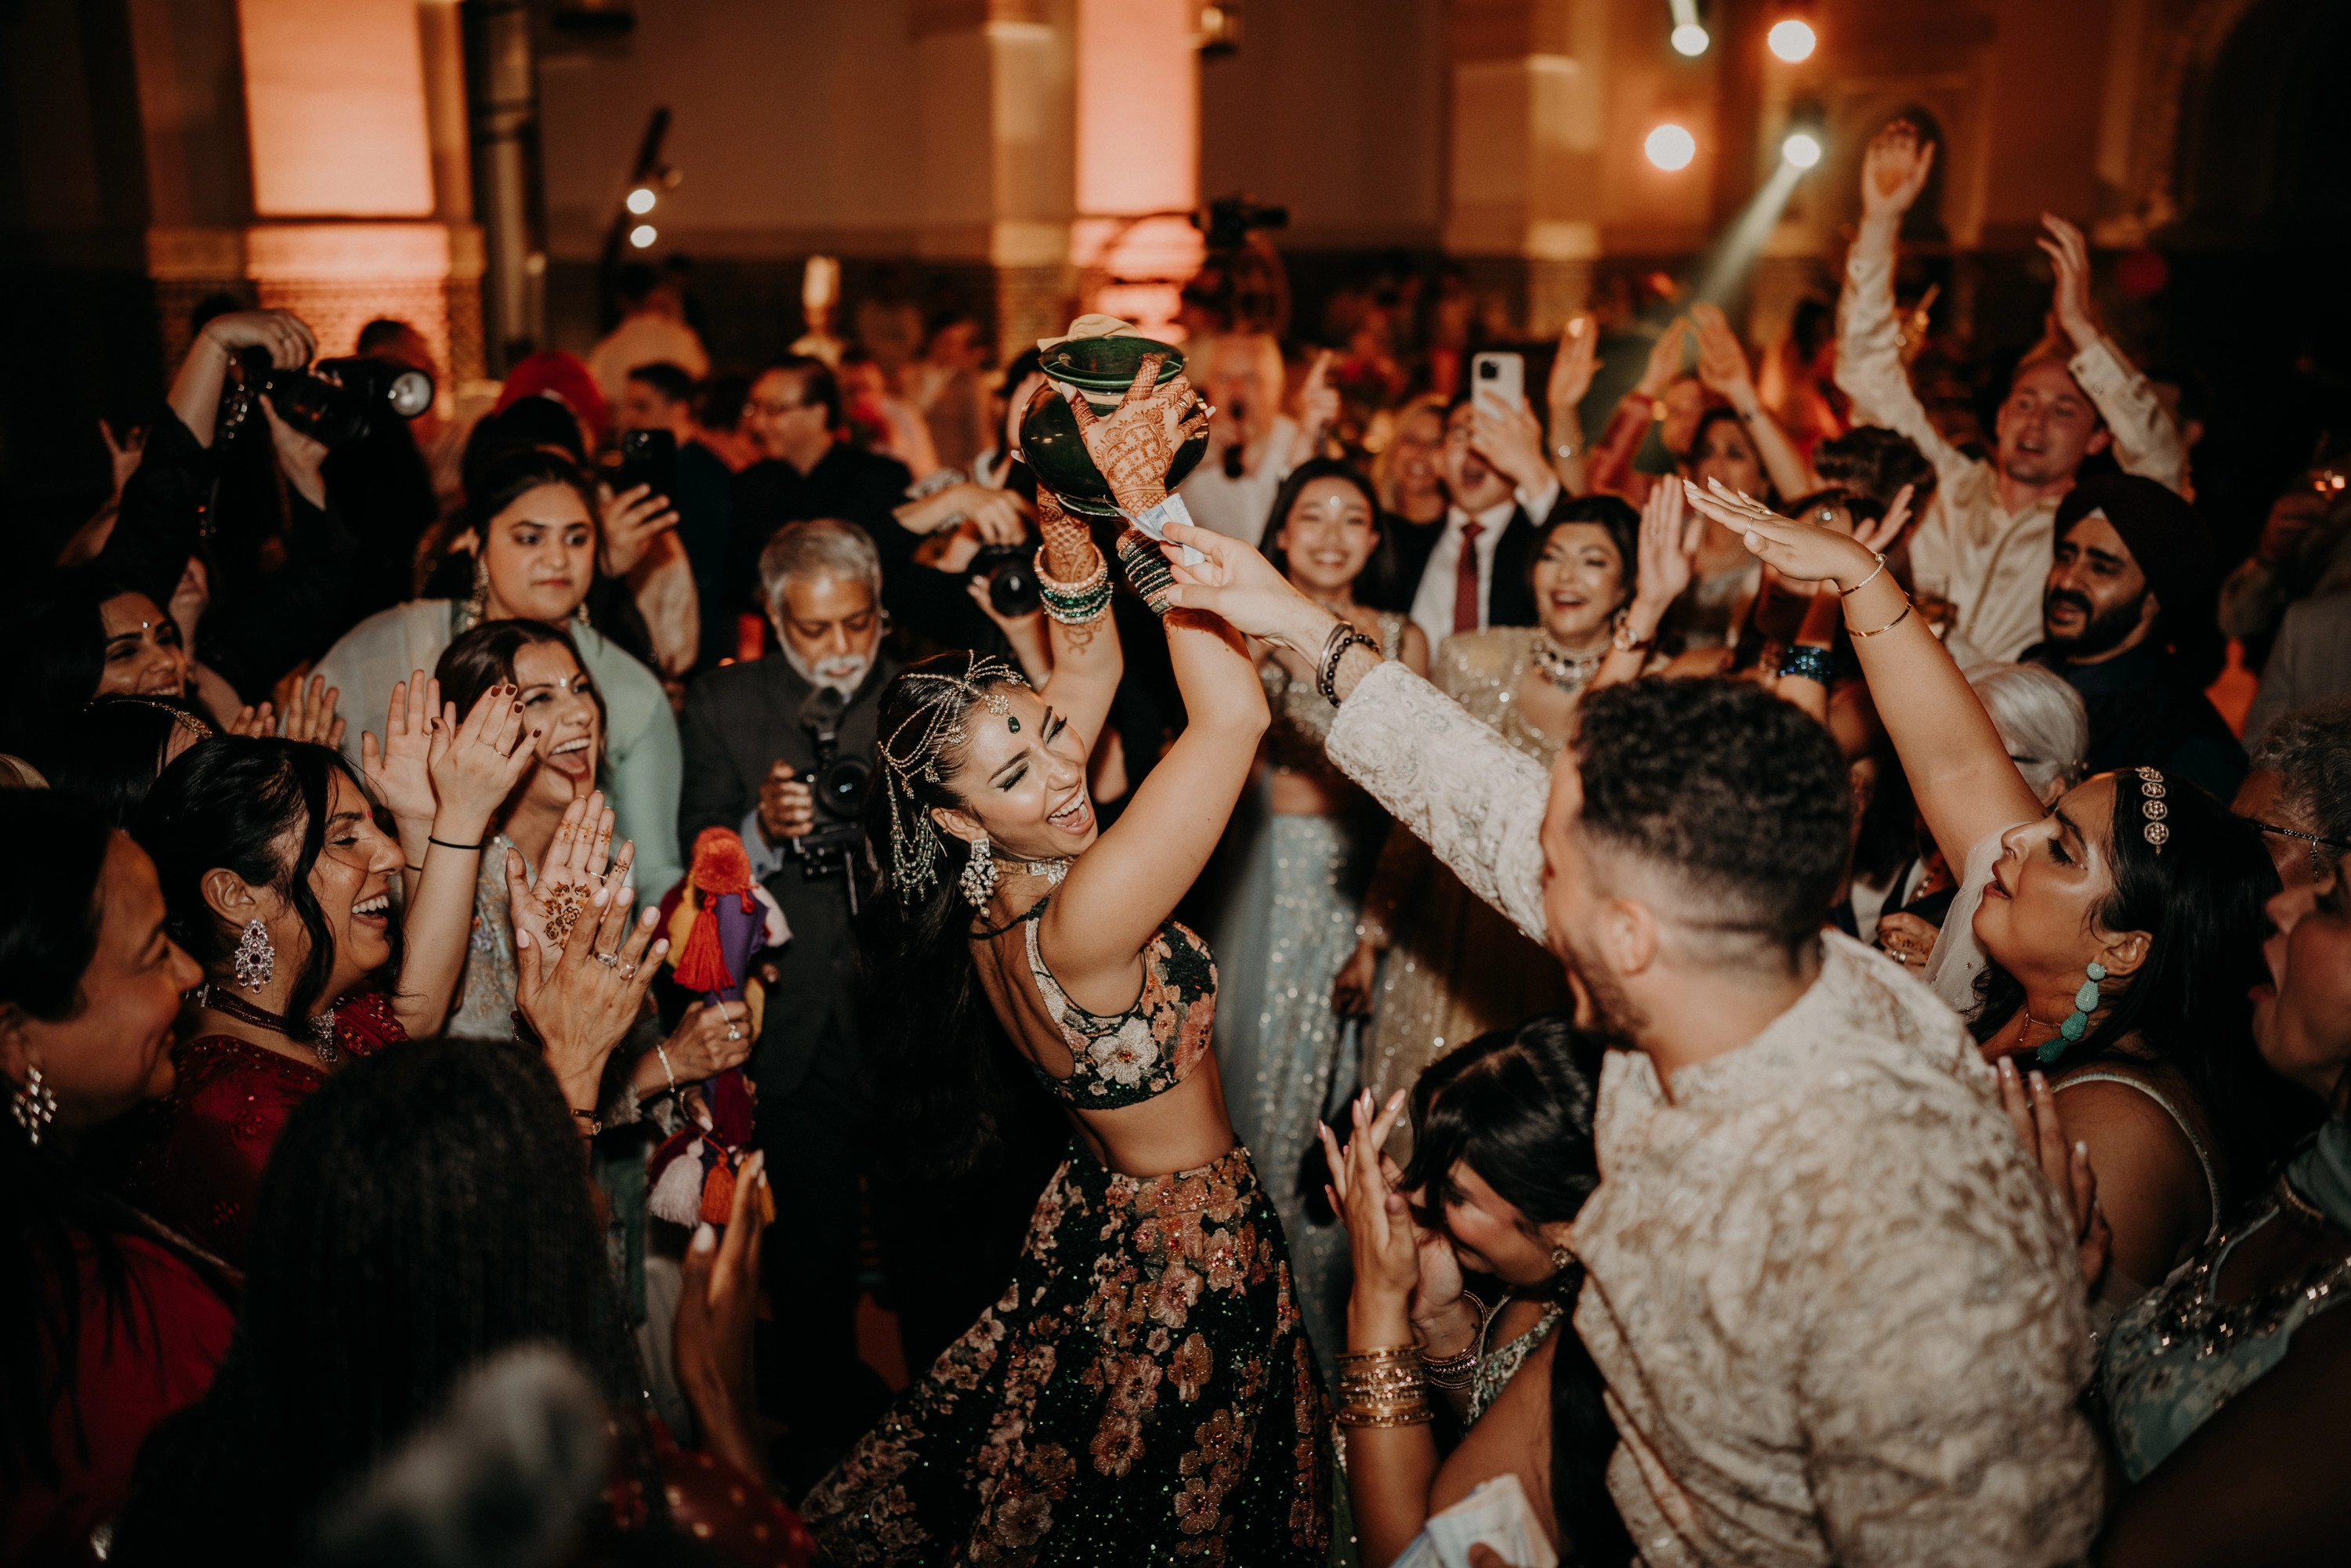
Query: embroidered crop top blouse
(1123, 1059)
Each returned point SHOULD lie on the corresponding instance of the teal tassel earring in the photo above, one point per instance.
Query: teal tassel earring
(2085, 1002)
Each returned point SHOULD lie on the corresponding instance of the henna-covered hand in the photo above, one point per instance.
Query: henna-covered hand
(1135, 443)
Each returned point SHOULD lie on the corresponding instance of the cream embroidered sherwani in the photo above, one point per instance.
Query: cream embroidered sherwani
(1834, 1302)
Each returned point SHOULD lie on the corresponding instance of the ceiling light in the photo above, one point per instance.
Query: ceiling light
(643, 236)
(1801, 149)
(1670, 147)
(1792, 40)
(1691, 39)
(641, 200)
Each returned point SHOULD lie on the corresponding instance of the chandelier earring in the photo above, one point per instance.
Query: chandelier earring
(35, 1105)
(978, 878)
(479, 605)
(1560, 1256)
(256, 957)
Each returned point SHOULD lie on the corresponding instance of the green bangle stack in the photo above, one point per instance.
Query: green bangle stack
(1074, 603)
(1147, 569)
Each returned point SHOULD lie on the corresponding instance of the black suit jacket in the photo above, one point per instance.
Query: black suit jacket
(738, 722)
(1510, 596)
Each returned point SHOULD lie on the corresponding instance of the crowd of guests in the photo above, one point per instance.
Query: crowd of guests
(1714, 992)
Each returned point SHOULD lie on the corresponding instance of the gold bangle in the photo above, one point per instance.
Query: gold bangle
(1864, 582)
(1890, 625)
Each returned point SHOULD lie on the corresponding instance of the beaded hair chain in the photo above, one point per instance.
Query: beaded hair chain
(914, 837)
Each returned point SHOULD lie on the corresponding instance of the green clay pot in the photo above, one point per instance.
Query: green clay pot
(1102, 369)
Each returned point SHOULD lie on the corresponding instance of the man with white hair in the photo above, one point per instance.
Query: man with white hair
(750, 734)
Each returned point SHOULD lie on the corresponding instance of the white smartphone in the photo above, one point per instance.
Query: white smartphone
(1500, 377)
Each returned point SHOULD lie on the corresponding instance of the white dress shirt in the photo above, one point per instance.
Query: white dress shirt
(1432, 602)
(1991, 563)
(1240, 509)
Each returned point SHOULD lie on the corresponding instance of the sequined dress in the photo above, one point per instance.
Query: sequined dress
(1142, 1391)
(1287, 927)
(1454, 969)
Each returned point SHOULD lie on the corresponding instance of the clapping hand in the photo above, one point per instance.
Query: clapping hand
(1881, 534)
(2032, 1107)
(1665, 360)
(310, 712)
(574, 877)
(1399, 1268)
(399, 768)
(583, 1000)
(476, 764)
(1722, 361)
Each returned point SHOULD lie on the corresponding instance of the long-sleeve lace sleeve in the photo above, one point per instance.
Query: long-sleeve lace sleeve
(1453, 782)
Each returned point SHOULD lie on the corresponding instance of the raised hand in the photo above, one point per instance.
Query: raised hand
(1573, 367)
(1380, 1232)
(582, 999)
(1665, 358)
(1512, 439)
(400, 766)
(715, 1315)
(480, 761)
(2069, 263)
(1893, 170)
(124, 456)
(310, 713)
(1805, 551)
(1135, 443)
(1880, 535)
(1667, 552)
(1722, 361)
(253, 723)
(631, 521)
(2032, 1107)
(575, 873)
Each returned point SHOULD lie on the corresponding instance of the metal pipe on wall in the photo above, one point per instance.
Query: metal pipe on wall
(502, 87)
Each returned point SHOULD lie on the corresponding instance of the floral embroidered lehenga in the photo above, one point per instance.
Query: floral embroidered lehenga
(1142, 1392)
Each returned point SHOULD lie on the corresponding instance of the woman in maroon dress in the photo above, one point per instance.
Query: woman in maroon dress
(279, 881)
(108, 1322)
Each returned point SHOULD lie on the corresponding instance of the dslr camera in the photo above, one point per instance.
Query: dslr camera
(839, 784)
(1010, 571)
(364, 391)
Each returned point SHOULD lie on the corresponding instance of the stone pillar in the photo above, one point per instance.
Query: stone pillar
(1521, 208)
(996, 176)
(1138, 158)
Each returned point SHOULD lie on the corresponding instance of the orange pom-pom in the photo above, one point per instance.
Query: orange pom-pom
(720, 864)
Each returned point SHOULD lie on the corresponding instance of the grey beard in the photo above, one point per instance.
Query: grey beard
(846, 685)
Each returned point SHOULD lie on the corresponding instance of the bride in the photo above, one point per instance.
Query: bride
(1144, 1380)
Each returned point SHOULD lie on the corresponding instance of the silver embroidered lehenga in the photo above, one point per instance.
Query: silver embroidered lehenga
(1454, 969)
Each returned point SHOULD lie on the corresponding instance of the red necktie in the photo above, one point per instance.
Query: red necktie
(1465, 580)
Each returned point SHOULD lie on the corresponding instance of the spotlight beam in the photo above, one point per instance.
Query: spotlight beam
(1727, 261)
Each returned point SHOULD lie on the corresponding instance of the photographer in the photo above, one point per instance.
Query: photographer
(754, 736)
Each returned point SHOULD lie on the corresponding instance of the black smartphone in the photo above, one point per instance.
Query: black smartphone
(647, 457)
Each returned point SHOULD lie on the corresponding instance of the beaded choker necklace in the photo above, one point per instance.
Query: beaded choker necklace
(318, 1031)
(1567, 671)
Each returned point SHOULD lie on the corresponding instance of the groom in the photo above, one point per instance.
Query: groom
(1835, 1300)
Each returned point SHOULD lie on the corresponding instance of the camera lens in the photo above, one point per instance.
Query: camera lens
(1488, 371)
(840, 789)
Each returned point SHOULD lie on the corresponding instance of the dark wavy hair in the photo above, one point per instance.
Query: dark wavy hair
(506, 476)
(1383, 573)
(233, 803)
(1516, 1105)
(50, 922)
(53, 646)
(1739, 797)
(2200, 900)
(932, 1040)
(1615, 515)
(422, 1212)
(485, 656)
(112, 751)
